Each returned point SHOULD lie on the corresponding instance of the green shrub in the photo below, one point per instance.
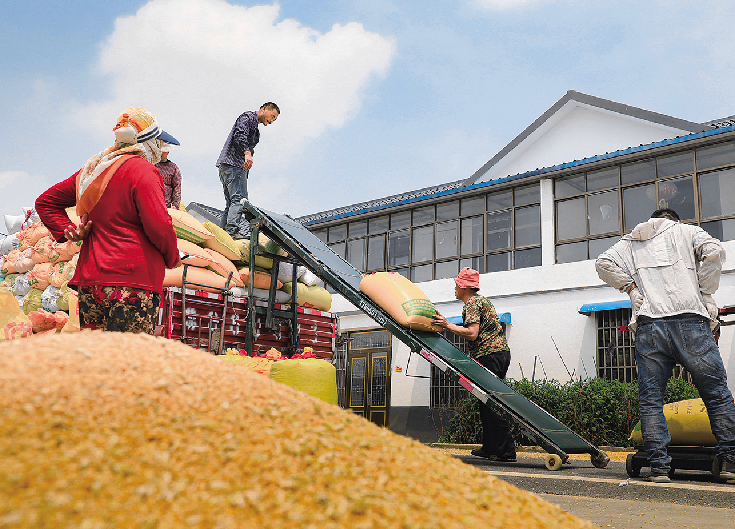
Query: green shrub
(602, 411)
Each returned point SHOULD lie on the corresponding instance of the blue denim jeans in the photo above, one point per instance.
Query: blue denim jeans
(659, 344)
(235, 185)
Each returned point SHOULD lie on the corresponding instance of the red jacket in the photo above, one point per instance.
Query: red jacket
(132, 239)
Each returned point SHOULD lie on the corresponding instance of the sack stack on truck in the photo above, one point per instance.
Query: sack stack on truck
(212, 254)
(34, 272)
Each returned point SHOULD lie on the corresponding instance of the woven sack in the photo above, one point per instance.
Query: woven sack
(260, 279)
(174, 278)
(222, 242)
(223, 266)
(315, 297)
(198, 256)
(189, 228)
(403, 300)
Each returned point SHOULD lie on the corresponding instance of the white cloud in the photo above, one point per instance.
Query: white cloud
(11, 178)
(198, 64)
(509, 5)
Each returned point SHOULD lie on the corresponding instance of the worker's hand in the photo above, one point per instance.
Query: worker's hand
(712, 310)
(248, 160)
(636, 299)
(440, 321)
(79, 233)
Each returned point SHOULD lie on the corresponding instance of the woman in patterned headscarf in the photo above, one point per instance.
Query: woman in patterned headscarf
(128, 236)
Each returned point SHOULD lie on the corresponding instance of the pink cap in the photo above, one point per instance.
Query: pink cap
(468, 278)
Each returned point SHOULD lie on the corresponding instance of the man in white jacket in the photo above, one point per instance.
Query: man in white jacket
(670, 271)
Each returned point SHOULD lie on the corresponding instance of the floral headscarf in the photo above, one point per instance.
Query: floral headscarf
(131, 130)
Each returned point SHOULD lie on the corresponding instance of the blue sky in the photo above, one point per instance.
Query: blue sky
(377, 97)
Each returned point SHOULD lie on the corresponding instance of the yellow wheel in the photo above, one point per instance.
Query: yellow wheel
(553, 462)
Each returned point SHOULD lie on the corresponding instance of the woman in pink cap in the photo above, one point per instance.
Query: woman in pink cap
(486, 343)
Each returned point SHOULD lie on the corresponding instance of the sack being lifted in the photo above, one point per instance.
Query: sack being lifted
(399, 297)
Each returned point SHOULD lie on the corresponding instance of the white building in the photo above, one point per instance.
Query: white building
(531, 220)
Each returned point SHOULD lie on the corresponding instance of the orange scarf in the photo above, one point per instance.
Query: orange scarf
(94, 191)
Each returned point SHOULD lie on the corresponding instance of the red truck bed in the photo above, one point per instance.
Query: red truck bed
(316, 329)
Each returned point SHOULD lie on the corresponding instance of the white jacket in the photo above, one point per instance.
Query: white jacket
(673, 265)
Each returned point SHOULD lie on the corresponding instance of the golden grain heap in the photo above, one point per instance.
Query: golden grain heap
(112, 430)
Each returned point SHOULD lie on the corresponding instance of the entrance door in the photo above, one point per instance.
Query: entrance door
(368, 385)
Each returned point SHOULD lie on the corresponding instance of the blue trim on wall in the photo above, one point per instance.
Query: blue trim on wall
(605, 305)
(503, 317)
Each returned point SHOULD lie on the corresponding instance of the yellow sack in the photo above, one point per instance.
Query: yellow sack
(223, 266)
(175, 278)
(72, 324)
(316, 377)
(198, 256)
(14, 322)
(189, 228)
(222, 242)
(400, 298)
(260, 261)
(688, 424)
(315, 297)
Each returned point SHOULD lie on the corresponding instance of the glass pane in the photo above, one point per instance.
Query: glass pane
(569, 253)
(570, 219)
(398, 247)
(357, 395)
(423, 244)
(677, 194)
(721, 229)
(321, 234)
(603, 212)
(476, 263)
(356, 254)
(472, 206)
(422, 273)
(574, 185)
(638, 204)
(498, 262)
(379, 379)
(357, 229)
(471, 236)
(526, 258)
(400, 220)
(527, 195)
(602, 179)
(378, 224)
(405, 272)
(716, 191)
(448, 210)
(638, 172)
(498, 230)
(528, 226)
(675, 164)
(339, 249)
(376, 253)
(423, 215)
(337, 233)
(723, 154)
(446, 269)
(447, 239)
(501, 200)
(597, 246)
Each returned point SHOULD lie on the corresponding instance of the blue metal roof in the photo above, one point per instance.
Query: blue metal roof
(412, 197)
(605, 305)
(457, 320)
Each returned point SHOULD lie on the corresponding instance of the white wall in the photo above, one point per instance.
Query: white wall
(544, 302)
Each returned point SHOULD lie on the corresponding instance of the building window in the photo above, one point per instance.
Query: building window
(340, 364)
(487, 232)
(593, 209)
(615, 346)
(445, 390)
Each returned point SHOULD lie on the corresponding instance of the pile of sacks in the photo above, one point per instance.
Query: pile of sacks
(212, 255)
(35, 270)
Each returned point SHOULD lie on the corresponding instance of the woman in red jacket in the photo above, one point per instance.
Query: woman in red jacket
(128, 236)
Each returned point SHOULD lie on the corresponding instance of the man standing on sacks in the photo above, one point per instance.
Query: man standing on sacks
(670, 271)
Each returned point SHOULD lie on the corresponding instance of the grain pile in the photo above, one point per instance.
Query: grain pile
(112, 430)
